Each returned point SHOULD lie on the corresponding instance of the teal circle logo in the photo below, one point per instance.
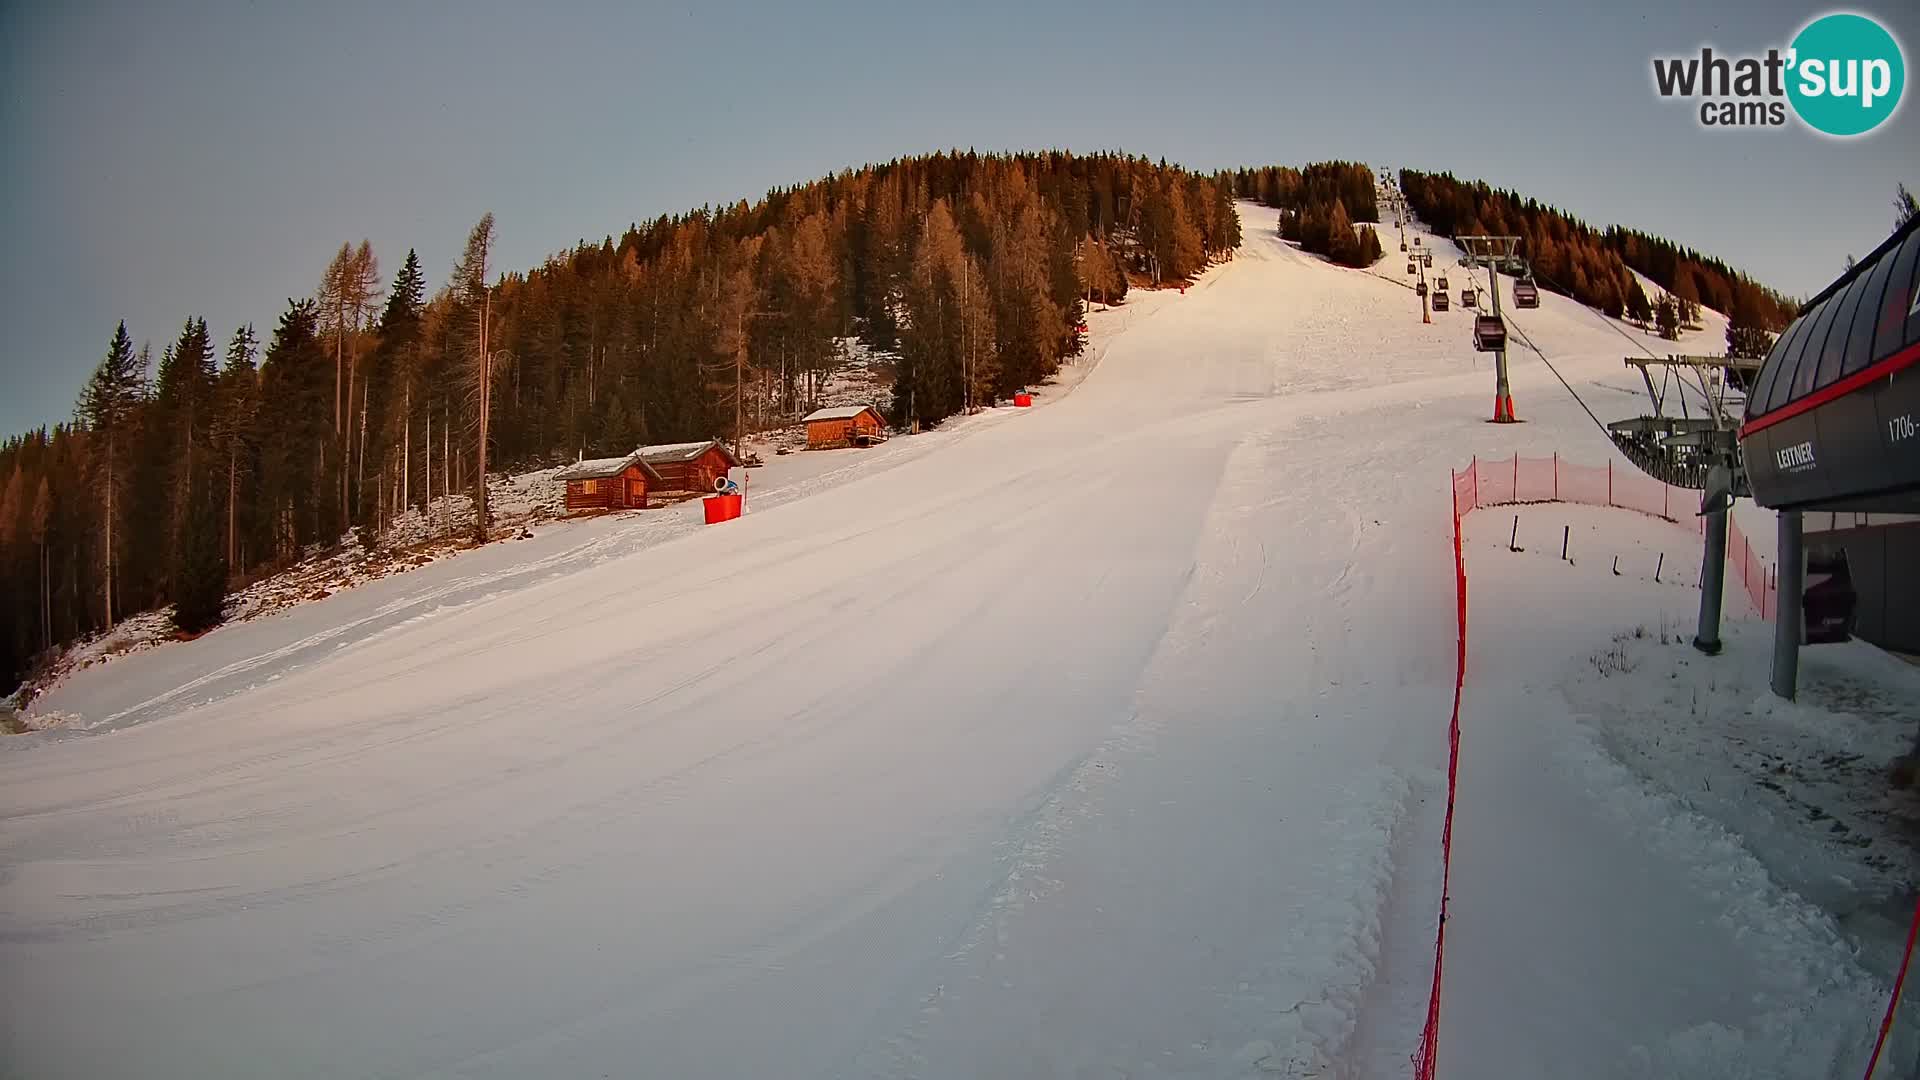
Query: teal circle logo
(1846, 74)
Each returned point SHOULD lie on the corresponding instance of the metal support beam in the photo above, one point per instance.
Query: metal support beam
(1790, 620)
(1493, 252)
(1713, 584)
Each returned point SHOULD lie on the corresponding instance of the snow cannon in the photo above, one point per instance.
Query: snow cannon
(721, 508)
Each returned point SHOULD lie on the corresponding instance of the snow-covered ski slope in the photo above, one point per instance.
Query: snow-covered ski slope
(1099, 739)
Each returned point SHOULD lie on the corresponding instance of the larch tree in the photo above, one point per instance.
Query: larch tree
(470, 292)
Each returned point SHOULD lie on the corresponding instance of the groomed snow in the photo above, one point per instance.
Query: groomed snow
(1098, 739)
(1606, 920)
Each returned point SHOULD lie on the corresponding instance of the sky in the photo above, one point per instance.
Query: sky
(168, 161)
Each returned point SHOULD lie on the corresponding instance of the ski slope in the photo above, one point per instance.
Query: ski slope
(1099, 739)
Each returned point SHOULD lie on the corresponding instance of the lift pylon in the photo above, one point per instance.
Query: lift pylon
(1494, 252)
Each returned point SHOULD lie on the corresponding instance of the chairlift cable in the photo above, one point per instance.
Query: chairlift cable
(1604, 320)
(1528, 342)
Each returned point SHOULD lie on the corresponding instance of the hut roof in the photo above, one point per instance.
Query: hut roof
(675, 453)
(843, 412)
(601, 468)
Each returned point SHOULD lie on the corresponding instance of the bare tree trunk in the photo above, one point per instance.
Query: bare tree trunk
(110, 484)
(360, 477)
(480, 447)
(346, 456)
(427, 507)
(233, 487)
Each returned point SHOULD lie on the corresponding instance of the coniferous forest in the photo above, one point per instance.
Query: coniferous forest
(1591, 265)
(231, 454)
(1320, 205)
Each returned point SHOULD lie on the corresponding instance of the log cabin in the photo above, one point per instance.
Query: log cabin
(852, 425)
(689, 466)
(617, 483)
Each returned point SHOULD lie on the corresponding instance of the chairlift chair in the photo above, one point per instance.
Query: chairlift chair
(1489, 333)
(1526, 294)
(1439, 301)
(1468, 298)
(1829, 598)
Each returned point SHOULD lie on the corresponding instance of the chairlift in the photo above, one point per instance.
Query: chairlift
(1489, 333)
(1426, 258)
(1829, 598)
(1416, 241)
(1403, 245)
(1410, 267)
(1439, 301)
(1441, 284)
(1420, 289)
(1526, 294)
(1468, 298)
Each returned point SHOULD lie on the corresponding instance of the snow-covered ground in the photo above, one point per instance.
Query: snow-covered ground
(1098, 739)
(1658, 868)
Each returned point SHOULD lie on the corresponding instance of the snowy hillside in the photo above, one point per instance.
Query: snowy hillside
(1099, 739)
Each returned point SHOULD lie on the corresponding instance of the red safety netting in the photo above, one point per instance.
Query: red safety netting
(1465, 497)
(1893, 1001)
(1521, 480)
(1518, 480)
(1761, 582)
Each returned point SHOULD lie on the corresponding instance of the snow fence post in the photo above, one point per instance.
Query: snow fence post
(1556, 476)
(1609, 481)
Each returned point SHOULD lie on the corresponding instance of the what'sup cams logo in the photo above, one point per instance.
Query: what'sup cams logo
(1842, 75)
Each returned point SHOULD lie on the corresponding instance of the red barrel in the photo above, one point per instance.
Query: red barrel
(1022, 399)
(722, 508)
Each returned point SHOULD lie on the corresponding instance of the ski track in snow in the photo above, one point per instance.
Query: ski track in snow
(1100, 739)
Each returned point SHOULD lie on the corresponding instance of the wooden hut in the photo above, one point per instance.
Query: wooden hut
(616, 483)
(851, 425)
(689, 466)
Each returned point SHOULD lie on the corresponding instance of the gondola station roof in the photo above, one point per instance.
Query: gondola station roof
(1833, 418)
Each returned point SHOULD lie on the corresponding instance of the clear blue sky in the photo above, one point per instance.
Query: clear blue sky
(168, 160)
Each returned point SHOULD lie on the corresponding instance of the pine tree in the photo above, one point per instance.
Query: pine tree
(1746, 338)
(235, 434)
(200, 588)
(1666, 316)
(295, 424)
(1905, 206)
(179, 442)
(107, 407)
(1638, 308)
